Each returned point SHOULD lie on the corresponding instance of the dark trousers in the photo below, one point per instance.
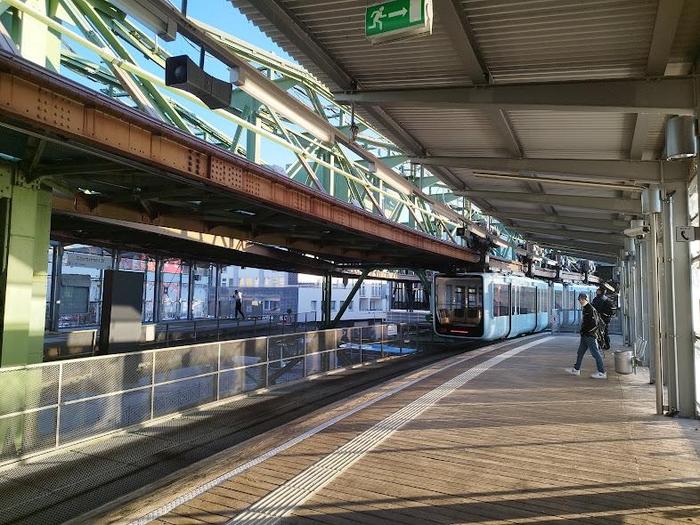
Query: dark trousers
(589, 343)
(239, 309)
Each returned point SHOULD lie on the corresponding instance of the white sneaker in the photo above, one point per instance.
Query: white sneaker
(599, 375)
(573, 371)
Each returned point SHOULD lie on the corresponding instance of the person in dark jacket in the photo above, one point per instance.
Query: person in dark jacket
(589, 327)
(605, 309)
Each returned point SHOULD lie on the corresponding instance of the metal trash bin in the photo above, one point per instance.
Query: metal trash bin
(623, 361)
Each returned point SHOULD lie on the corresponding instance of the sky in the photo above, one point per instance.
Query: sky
(222, 14)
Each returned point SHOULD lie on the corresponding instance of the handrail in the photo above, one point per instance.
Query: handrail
(50, 405)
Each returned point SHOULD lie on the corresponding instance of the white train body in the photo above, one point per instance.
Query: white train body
(490, 306)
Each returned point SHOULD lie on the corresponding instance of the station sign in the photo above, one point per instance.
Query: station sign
(687, 233)
(398, 18)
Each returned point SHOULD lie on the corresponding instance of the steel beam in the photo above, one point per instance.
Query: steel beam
(668, 14)
(666, 95)
(609, 252)
(572, 201)
(502, 123)
(596, 170)
(349, 298)
(639, 136)
(574, 235)
(452, 20)
(99, 123)
(583, 222)
(302, 39)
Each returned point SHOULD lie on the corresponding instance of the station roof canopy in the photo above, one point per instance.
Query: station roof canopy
(549, 114)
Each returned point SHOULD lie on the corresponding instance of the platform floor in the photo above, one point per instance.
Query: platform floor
(514, 440)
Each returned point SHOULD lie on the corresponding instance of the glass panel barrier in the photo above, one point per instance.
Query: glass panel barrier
(49, 405)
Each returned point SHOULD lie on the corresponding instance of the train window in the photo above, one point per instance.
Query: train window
(527, 300)
(557, 299)
(459, 304)
(501, 300)
(543, 300)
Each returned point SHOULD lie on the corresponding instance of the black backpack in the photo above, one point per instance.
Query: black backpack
(600, 328)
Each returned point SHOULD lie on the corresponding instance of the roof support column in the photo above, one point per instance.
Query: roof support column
(25, 225)
(678, 341)
(653, 319)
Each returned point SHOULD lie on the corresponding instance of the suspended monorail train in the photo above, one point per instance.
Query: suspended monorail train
(490, 306)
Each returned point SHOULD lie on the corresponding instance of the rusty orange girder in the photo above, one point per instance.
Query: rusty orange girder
(41, 99)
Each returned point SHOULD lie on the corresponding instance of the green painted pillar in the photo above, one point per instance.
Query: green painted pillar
(26, 226)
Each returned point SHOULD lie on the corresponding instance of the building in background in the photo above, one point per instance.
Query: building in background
(180, 290)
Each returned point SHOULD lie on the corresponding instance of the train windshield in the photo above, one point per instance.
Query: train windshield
(459, 306)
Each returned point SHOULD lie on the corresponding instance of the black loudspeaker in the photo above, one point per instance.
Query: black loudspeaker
(122, 308)
(181, 72)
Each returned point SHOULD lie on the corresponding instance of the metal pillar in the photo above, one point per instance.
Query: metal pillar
(654, 315)
(26, 225)
(56, 271)
(326, 293)
(679, 336)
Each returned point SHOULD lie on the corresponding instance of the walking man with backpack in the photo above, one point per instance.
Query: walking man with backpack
(589, 339)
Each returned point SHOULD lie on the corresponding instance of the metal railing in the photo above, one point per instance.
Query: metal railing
(50, 405)
(168, 332)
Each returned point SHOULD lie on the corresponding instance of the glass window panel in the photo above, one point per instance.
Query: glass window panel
(80, 285)
(204, 291)
(174, 289)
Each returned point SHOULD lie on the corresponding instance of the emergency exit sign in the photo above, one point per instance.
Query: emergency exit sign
(397, 18)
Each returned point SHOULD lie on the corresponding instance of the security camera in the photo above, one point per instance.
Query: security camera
(639, 232)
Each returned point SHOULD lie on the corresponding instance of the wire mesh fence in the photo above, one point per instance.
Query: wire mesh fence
(50, 405)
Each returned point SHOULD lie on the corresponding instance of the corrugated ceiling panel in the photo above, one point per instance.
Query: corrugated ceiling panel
(451, 131)
(562, 39)
(338, 25)
(559, 134)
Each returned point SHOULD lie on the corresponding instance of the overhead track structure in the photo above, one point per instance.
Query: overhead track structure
(540, 90)
(277, 102)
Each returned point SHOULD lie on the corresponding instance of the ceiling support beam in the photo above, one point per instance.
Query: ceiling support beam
(639, 137)
(575, 246)
(602, 238)
(301, 38)
(502, 123)
(452, 20)
(658, 95)
(581, 222)
(580, 253)
(403, 138)
(600, 170)
(668, 14)
(573, 201)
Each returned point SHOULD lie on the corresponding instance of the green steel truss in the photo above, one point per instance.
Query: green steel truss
(104, 48)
